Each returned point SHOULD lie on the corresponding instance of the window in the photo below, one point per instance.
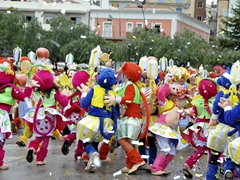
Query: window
(128, 5)
(129, 27)
(29, 18)
(179, 9)
(200, 5)
(77, 20)
(199, 18)
(139, 25)
(179, 1)
(97, 3)
(161, 1)
(158, 27)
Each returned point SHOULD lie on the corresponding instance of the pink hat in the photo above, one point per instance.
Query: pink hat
(79, 78)
(44, 78)
(207, 88)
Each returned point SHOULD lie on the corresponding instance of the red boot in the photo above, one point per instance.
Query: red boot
(136, 160)
(103, 152)
(41, 154)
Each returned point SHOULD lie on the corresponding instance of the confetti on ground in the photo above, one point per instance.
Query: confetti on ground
(67, 172)
(55, 43)
(176, 177)
(198, 175)
(50, 173)
(117, 173)
(181, 157)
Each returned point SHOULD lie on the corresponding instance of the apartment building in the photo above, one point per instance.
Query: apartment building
(114, 22)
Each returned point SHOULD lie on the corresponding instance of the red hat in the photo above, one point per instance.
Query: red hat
(212, 75)
(207, 88)
(25, 58)
(9, 75)
(132, 71)
(79, 78)
(44, 78)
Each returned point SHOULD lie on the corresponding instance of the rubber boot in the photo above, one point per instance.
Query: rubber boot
(152, 155)
(212, 170)
(41, 154)
(157, 167)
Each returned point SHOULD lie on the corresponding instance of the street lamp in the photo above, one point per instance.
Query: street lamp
(140, 5)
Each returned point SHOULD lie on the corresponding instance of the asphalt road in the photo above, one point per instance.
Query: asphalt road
(60, 167)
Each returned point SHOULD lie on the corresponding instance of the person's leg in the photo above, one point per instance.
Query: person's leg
(42, 153)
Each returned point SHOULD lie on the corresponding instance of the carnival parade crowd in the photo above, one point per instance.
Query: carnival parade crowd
(152, 110)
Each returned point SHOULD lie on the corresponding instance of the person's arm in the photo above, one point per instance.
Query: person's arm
(86, 99)
(128, 96)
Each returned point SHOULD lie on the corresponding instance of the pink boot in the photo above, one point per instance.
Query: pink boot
(168, 159)
(41, 154)
(158, 166)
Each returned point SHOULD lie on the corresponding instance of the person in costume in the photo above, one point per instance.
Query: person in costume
(75, 113)
(196, 135)
(9, 93)
(218, 139)
(22, 111)
(44, 119)
(150, 140)
(231, 116)
(169, 114)
(101, 121)
(129, 126)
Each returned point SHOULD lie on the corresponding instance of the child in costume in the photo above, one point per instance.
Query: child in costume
(218, 139)
(75, 113)
(22, 111)
(196, 135)
(44, 119)
(101, 117)
(231, 116)
(9, 93)
(146, 90)
(164, 129)
(129, 126)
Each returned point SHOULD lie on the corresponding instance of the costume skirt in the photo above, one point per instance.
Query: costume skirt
(5, 125)
(48, 119)
(166, 132)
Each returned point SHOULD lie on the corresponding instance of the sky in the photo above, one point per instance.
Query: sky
(210, 1)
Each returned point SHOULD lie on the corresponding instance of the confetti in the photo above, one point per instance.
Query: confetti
(117, 173)
(152, 40)
(83, 37)
(67, 172)
(54, 3)
(50, 173)
(145, 156)
(198, 175)
(60, 24)
(176, 177)
(63, 11)
(55, 43)
(188, 43)
(96, 33)
(135, 142)
(181, 157)
(45, 3)
(134, 37)
(127, 46)
(137, 54)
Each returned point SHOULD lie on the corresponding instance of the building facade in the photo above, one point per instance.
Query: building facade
(113, 22)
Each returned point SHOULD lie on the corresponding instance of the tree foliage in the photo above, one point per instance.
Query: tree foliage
(65, 36)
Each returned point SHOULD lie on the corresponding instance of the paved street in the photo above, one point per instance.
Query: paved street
(60, 167)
